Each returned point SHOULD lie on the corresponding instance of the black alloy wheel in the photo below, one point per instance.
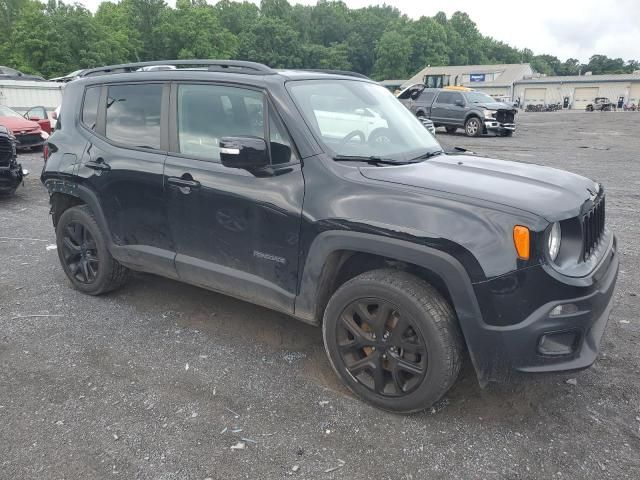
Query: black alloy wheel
(83, 253)
(381, 348)
(80, 253)
(393, 339)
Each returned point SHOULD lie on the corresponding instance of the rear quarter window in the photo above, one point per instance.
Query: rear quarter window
(90, 107)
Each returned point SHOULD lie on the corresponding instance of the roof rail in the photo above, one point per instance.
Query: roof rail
(231, 66)
(337, 72)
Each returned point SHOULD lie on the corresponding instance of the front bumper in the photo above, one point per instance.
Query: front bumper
(542, 342)
(494, 126)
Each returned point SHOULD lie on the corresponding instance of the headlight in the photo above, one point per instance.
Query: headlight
(489, 114)
(553, 241)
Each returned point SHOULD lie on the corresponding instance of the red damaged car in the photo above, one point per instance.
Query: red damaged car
(28, 133)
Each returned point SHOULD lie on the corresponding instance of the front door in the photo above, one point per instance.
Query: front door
(123, 164)
(236, 231)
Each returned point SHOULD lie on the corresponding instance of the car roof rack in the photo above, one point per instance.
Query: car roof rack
(229, 66)
(346, 73)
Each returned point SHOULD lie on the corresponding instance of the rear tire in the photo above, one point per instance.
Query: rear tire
(473, 127)
(83, 253)
(451, 130)
(393, 340)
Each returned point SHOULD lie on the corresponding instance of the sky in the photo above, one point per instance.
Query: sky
(564, 28)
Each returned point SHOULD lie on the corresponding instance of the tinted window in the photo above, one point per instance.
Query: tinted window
(207, 113)
(90, 107)
(446, 97)
(427, 96)
(133, 115)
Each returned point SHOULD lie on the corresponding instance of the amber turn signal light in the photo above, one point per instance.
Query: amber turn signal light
(522, 241)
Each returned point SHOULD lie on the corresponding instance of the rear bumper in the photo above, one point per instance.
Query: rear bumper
(31, 140)
(545, 340)
(493, 126)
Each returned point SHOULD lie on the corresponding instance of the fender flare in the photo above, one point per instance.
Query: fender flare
(474, 113)
(87, 196)
(447, 267)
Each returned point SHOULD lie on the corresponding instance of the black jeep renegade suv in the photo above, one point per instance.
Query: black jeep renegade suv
(318, 194)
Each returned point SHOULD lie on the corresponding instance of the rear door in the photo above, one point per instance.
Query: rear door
(123, 164)
(423, 103)
(235, 231)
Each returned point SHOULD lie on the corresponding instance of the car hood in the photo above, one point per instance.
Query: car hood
(544, 191)
(17, 125)
(494, 106)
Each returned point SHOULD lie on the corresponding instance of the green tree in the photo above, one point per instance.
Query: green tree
(192, 30)
(236, 17)
(273, 42)
(392, 56)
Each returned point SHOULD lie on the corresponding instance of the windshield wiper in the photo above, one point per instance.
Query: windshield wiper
(427, 155)
(373, 159)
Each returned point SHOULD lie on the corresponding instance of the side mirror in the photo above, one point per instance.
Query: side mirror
(460, 103)
(244, 152)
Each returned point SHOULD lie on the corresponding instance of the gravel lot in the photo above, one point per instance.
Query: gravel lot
(152, 381)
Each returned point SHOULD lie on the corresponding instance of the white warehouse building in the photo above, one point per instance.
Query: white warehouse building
(578, 91)
(494, 80)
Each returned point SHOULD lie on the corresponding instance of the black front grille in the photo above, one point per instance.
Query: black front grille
(592, 228)
(6, 151)
(505, 116)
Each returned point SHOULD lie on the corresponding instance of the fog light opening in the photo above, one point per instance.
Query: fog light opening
(559, 343)
(564, 309)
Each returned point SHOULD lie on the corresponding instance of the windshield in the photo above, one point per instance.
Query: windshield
(479, 97)
(7, 112)
(355, 118)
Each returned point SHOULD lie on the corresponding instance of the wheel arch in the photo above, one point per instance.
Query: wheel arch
(63, 195)
(336, 256)
(333, 257)
(473, 113)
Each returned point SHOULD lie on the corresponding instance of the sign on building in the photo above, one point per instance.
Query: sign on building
(477, 77)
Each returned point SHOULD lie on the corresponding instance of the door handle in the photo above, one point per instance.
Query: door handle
(183, 182)
(99, 164)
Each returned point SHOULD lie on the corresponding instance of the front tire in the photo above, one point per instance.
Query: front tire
(473, 127)
(393, 340)
(83, 253)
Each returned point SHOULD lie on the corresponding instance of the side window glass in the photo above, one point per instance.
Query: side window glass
(455, 97)
(133, 115)
(207, 113)
(90, 107)
(281, 148)
(445, 97)
(427, 97)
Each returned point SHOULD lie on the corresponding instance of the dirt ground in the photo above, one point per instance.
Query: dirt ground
(159, 380)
